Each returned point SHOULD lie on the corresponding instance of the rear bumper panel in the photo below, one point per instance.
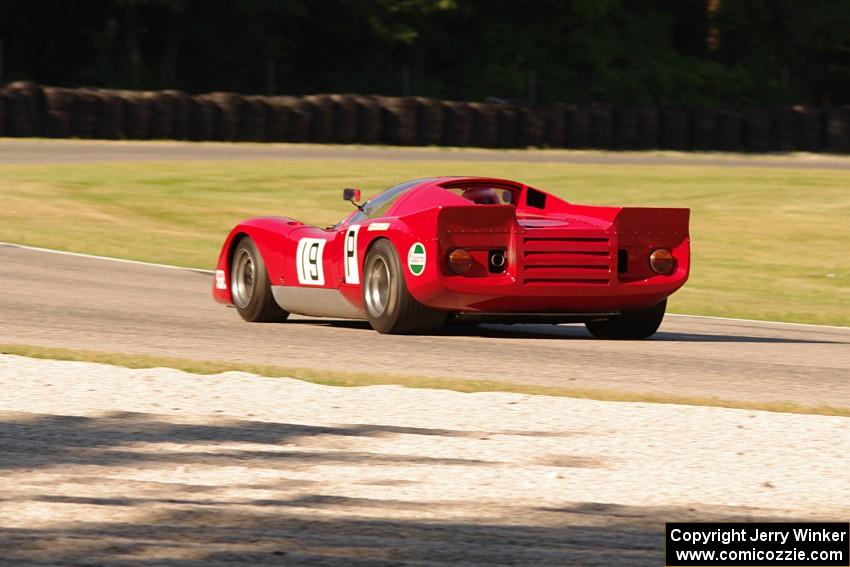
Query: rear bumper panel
(562, 272)
(580, 299)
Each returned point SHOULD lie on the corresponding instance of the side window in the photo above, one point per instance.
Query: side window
(535, 198)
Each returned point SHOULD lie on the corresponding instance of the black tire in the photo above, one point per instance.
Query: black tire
(631, 325)
(389, 306)
(250, 287)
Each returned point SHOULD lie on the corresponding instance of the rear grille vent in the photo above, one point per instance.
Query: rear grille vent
(561, 260)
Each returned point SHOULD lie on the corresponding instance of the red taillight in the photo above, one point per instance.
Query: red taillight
(459, 261)
(661, 261)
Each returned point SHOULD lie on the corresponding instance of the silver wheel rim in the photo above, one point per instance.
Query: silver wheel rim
(377, 286)
(243, 279)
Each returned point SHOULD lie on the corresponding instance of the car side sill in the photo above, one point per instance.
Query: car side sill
(315, 302)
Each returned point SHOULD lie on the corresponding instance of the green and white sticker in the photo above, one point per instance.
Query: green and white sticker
(416, 258)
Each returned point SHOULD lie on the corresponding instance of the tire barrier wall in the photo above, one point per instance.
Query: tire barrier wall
(31, 110)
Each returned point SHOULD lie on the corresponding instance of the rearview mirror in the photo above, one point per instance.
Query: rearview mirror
(352, 195)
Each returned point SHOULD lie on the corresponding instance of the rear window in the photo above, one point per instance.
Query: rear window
(485, 194)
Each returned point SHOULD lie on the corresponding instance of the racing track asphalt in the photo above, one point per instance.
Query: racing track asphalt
(79, 151)
(56, 300)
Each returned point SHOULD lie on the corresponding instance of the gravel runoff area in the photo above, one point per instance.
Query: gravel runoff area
(108, 465)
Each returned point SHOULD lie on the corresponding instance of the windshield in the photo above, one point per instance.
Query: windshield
(379, 206)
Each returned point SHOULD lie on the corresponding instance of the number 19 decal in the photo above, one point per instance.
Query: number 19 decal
(309, 261)
(352, 273)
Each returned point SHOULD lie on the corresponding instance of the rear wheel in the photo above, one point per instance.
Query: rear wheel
(389, 306)
(250, 287)
(638, 324)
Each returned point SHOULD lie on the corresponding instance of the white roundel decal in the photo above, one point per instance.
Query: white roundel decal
(416, 258)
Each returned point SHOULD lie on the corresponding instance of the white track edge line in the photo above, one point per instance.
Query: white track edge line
(211, 272)
(109, 258)
(759, 321)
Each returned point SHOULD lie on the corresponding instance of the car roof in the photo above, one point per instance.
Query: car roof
(450, 180)
(429, 188)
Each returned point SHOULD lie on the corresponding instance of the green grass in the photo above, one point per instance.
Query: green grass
(767, 243)
(355, 379)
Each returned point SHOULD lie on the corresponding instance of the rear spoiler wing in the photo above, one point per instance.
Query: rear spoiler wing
(662, 225)
(464, 219)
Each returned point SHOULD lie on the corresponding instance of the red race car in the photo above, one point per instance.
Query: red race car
(430, 251)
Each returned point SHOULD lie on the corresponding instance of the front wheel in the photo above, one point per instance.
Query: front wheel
(250, 287)
(389, 306)
(629, 325)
